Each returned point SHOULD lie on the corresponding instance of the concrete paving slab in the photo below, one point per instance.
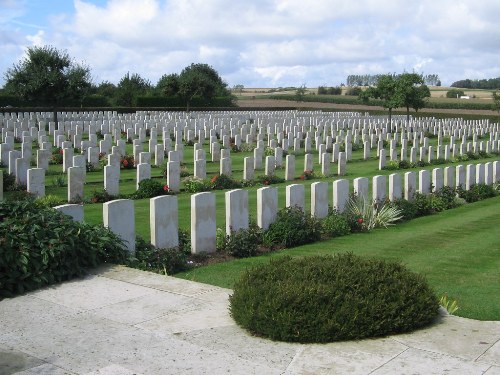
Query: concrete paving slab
(82, 293)
(460, 337)
(113, 370)
(148, 307)
(90, 343)
(421, 362)
(492, 355)
(208, 315)
(348, 357)
(159, 282)
(493, 370)
(12, 361)
(35, 311)
(272, 353)
(45, 369)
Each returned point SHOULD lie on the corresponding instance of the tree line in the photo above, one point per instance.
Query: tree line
(49, 77)
(488, 84)
(372, 79)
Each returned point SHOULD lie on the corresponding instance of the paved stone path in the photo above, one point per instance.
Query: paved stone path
(124, 321)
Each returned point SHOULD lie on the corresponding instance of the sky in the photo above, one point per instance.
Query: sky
(260, 43)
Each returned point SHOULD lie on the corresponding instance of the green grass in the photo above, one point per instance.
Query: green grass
(457, 250)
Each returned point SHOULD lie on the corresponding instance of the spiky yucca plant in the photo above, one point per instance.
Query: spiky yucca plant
(373, 215)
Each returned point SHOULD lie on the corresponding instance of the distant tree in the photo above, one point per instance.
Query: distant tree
(386, 90)
(168, 85)
(300, 93)
(496, 102)
(238, 88)
(47, 76)
(485, 84)
(200, 80)
(106, 89)
(129, 88)
(455, 93)
(411, 92)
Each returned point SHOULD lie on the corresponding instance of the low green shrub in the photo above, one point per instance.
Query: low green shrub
(49, 201)
(269, 180)
(196, 185)
(335, 224)
(477, 192)
(42, 246)
(408, 209)
(164, 261)
(243, 243)
(331, 298)
(150, 188)
(292, 228)
(222, 182)
(9, 181)
(57, 156)
(127, 162)
(101, 196)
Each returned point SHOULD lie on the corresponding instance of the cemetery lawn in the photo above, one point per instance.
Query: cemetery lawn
(457, 250)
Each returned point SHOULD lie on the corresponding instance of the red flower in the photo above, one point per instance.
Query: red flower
(360, 220)
(302, 177)
(61, 151)
(214, 179)
(125, 162)
(166, 188)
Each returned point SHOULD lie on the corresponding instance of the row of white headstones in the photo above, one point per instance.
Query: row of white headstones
(327, 131)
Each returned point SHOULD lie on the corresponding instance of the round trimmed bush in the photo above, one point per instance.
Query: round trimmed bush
(331, 298)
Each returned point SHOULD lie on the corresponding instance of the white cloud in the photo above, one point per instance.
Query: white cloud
(269, 42)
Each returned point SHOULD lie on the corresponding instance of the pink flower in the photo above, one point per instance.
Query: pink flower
(166, 188)
(360, 221)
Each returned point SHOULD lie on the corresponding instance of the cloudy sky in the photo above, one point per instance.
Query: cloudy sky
(260, 43)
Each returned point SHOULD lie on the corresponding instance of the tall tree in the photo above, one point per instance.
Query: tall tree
(386, 91)
(47, 76)
(129, 88)
(168, 85)
(200, 80)
(411, 92)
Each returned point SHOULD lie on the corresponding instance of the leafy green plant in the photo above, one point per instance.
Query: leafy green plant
(9, 182)
(477, 192)
(449, 305)
(127, 162)
(57, 156)
(292, 228)
(49, 201)
(42, 246)
(307, 175)
(150, 188)
(222, 182)
(269, 180)
(163, 261)
(59, 180)
(370, 215)
(335, 224)
(101, 196)
(331, 298)
(196, 185)
(408, 209)
(243, 243)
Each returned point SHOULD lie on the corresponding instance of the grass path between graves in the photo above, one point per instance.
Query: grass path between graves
(457, 250)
